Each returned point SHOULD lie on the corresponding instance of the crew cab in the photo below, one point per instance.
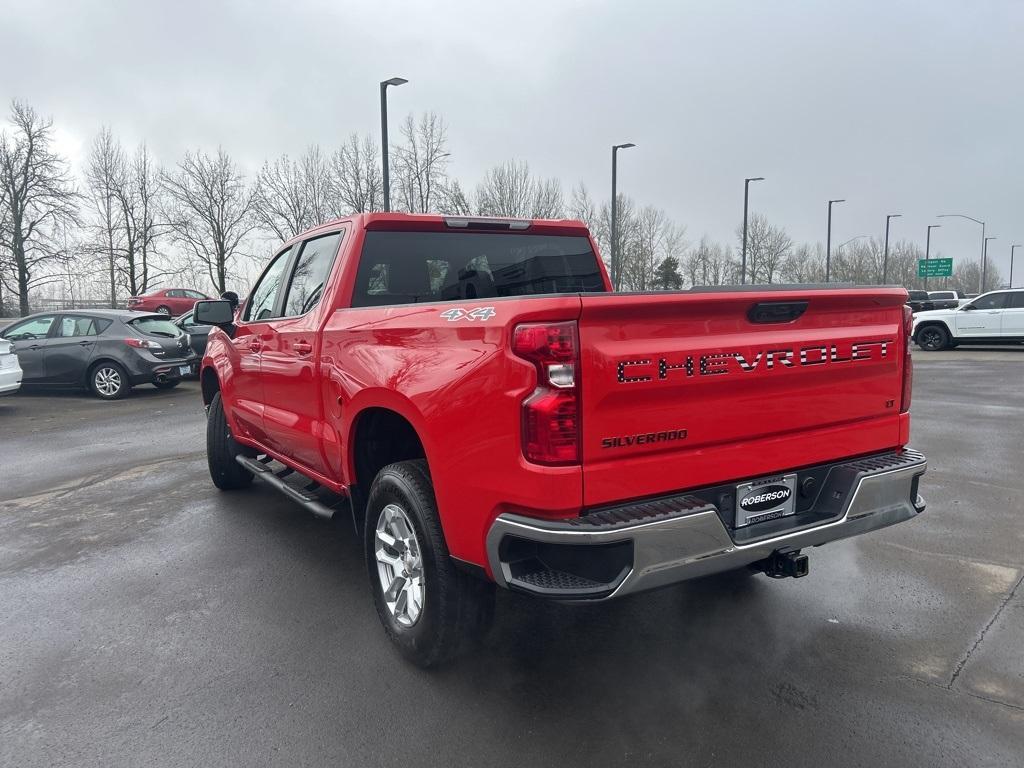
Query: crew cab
(945, 299)
(492, 414)
(996, 317)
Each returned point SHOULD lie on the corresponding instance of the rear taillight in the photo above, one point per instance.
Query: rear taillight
(551, 417)
(908, 362)
(142, 343)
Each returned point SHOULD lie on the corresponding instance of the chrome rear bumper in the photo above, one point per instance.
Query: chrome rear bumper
(611, 553)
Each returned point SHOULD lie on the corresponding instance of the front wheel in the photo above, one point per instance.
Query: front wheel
(428, 607)
(221, 449)
(932, 338)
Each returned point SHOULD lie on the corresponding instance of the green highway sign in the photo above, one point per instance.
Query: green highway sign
(934, 267)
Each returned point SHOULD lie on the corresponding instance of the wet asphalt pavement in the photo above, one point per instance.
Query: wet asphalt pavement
(148, 620)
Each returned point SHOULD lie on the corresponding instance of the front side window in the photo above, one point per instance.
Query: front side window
(36, 328)
(991, 301)
(416, 267)
(263, 300)
(312, 270)
(1016, 300)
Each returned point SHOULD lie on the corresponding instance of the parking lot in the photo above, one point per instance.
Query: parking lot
(147, 619)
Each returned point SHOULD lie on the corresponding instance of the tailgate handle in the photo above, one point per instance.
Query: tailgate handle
(776, 311)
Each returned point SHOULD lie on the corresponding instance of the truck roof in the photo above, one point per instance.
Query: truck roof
(434, 222)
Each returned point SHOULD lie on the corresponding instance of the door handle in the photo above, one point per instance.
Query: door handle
(255, 346)
(35, 346)
(302, 347)
(85, 343)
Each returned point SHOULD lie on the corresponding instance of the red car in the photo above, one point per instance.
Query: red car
(169, 301)
(497, 415)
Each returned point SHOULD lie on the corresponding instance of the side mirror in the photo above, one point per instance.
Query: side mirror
(217, 312)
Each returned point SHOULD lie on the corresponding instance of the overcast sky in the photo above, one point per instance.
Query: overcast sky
(899, 107)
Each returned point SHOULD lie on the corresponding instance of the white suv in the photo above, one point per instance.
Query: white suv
(10, 370)
(996, 317)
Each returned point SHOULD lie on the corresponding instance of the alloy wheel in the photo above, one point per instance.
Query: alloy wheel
(930, 339)
(108, 381)
(399, 565)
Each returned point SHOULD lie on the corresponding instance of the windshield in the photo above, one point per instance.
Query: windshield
(156, 326)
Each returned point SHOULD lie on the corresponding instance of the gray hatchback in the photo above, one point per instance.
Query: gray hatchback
(108, 351)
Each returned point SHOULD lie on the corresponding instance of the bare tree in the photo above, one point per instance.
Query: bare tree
(548, 200)
(452, 200)
(138, 196)
(37, 197)
(581, 207)
(292, 196)
(357, 184)
(419, 164)
(506, 190)
(805, 264)
(104, 175)
(210, 211)
(767, 248)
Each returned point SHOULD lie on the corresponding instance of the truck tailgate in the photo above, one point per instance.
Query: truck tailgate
(685, 390)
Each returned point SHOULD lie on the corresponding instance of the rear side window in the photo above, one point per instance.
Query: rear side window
(1016, 300)
(71, 326)
(416, 267)
(262, 303)
(311, 273)
(155, 326)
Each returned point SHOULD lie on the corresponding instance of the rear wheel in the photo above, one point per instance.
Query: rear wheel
(164, 310)
(221, 449)
(108, 381)
(428, 607)
(932, 338)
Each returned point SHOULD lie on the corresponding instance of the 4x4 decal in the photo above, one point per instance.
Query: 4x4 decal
(477, 313)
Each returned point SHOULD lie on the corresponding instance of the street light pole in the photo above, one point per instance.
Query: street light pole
(615, 203)
(828, 242)
(396, 81)
(885, 258)
(976, 221)
(928, 249)
(746, 197)
(984, 261)
(1012, 249)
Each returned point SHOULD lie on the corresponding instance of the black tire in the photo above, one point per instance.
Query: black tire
(221, 449)
(164, 310)
(932, 338)
(109, 381)
(166, 384)
(457, 608)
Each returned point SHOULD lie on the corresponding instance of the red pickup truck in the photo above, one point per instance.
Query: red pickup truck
(494, 414)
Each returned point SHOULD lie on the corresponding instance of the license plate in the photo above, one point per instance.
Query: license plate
(185, 370)
(765, 499)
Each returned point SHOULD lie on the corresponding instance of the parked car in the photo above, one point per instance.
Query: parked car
(170, 301)
(496, 415)
(10, 370)
(108, 351)
(996, 317)
(919, 301)
(945, 299)
(197, 334)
